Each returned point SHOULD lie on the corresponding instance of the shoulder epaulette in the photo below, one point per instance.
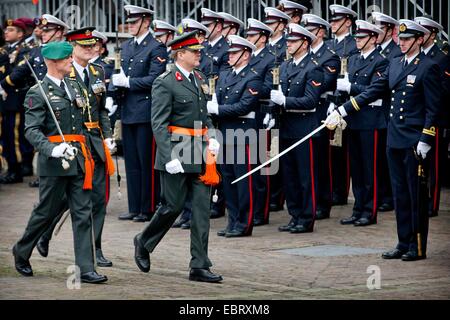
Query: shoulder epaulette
(165, 74)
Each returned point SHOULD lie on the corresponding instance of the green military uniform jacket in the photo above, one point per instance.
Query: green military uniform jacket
(95, 112)
(39, 124)
(178, 102)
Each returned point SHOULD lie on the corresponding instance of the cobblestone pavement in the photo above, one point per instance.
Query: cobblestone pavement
(254, 267)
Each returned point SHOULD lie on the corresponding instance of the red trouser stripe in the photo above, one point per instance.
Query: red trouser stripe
(436, 168)
(250, 189)
(375, 186)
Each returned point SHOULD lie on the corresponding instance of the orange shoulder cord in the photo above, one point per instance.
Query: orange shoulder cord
(211, 177)
(88, 161)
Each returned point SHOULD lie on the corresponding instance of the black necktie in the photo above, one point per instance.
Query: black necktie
(191, 77)
(86, 78)
(62, 86)
(405, 64)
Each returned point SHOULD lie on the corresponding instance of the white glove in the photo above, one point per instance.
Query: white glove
(331, 108)
(213, 146)
(63, 150)
(3, 93)
(110, 144)
(344, 84)
(333, 120)
(110, 106)
(120, 79)
(278, 97)
(214, 98)
(422, 149)
(268, 121)
(174, 166)
(213, 107)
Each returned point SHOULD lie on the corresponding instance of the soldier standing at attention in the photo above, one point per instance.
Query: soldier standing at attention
(364, 148)
(331, 65)
(301, 79)
(415, 85)
(231, 25)
(180, 122)
(65, 168)
(294, 10)
(143, 60)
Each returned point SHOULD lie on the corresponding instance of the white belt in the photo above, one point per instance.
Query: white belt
(250, 115)
(325, 94)
(377, 103)
(301, 111)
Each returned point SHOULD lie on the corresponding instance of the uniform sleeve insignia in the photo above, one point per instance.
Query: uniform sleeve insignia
(316, 84)
(378, 74)
(253, 92)
(332, 70)
(161, 60)
(178, 76)
(447, 73)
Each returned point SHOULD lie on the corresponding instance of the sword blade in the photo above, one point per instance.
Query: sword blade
(309, 135)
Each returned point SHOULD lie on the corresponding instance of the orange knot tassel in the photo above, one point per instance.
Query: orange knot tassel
(109, 161)
(211, 176)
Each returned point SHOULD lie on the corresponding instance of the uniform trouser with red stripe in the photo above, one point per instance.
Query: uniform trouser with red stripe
(139, 149)
(403, 169)
(364, 166)
(300, 181)
(384, 185)
(12, 136)
(341, 168)
(324, 167)
(262, 179)
(438, 156)
(240, 197)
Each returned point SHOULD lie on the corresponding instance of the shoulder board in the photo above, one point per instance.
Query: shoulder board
(165, 74)
(331, 50)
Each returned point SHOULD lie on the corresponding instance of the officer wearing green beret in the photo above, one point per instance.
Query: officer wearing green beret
(54, 126)
(180, 123)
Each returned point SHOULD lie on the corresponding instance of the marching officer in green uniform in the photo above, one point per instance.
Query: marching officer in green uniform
(54, 126)
(97, 129)
(180, 123)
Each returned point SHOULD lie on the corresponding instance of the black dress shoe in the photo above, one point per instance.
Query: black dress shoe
(101, 260)
(275, 207)
(127, 216)
(186, 225)
(27, 170)
(288, 227)
(214, 214)
(362, 222)
(93, 277)
(392, 254)
(234, 234)
(259, 222)
(349, 220)
(322, 214)
(22, 266)
(10, 178)
(142, 217)
(42, 247)
(221, 233)
(204, 275)
(141, 256)
(384, 207)
(301, 229)
(34, 183)
(179, 222)
(413, 256)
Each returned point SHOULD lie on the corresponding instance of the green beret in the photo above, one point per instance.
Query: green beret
(57, 50)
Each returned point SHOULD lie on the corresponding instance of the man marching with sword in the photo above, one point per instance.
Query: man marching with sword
(54, 126)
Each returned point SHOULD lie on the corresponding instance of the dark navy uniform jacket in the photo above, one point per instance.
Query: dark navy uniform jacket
(361, 73)
(415, 97)
(331, 66)
(263, 64)
(237, 96)
(219, 56)
(143, 64)
(279, 49)
(391, 51)
(16, 94)
(346, 47)
(301, 84)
